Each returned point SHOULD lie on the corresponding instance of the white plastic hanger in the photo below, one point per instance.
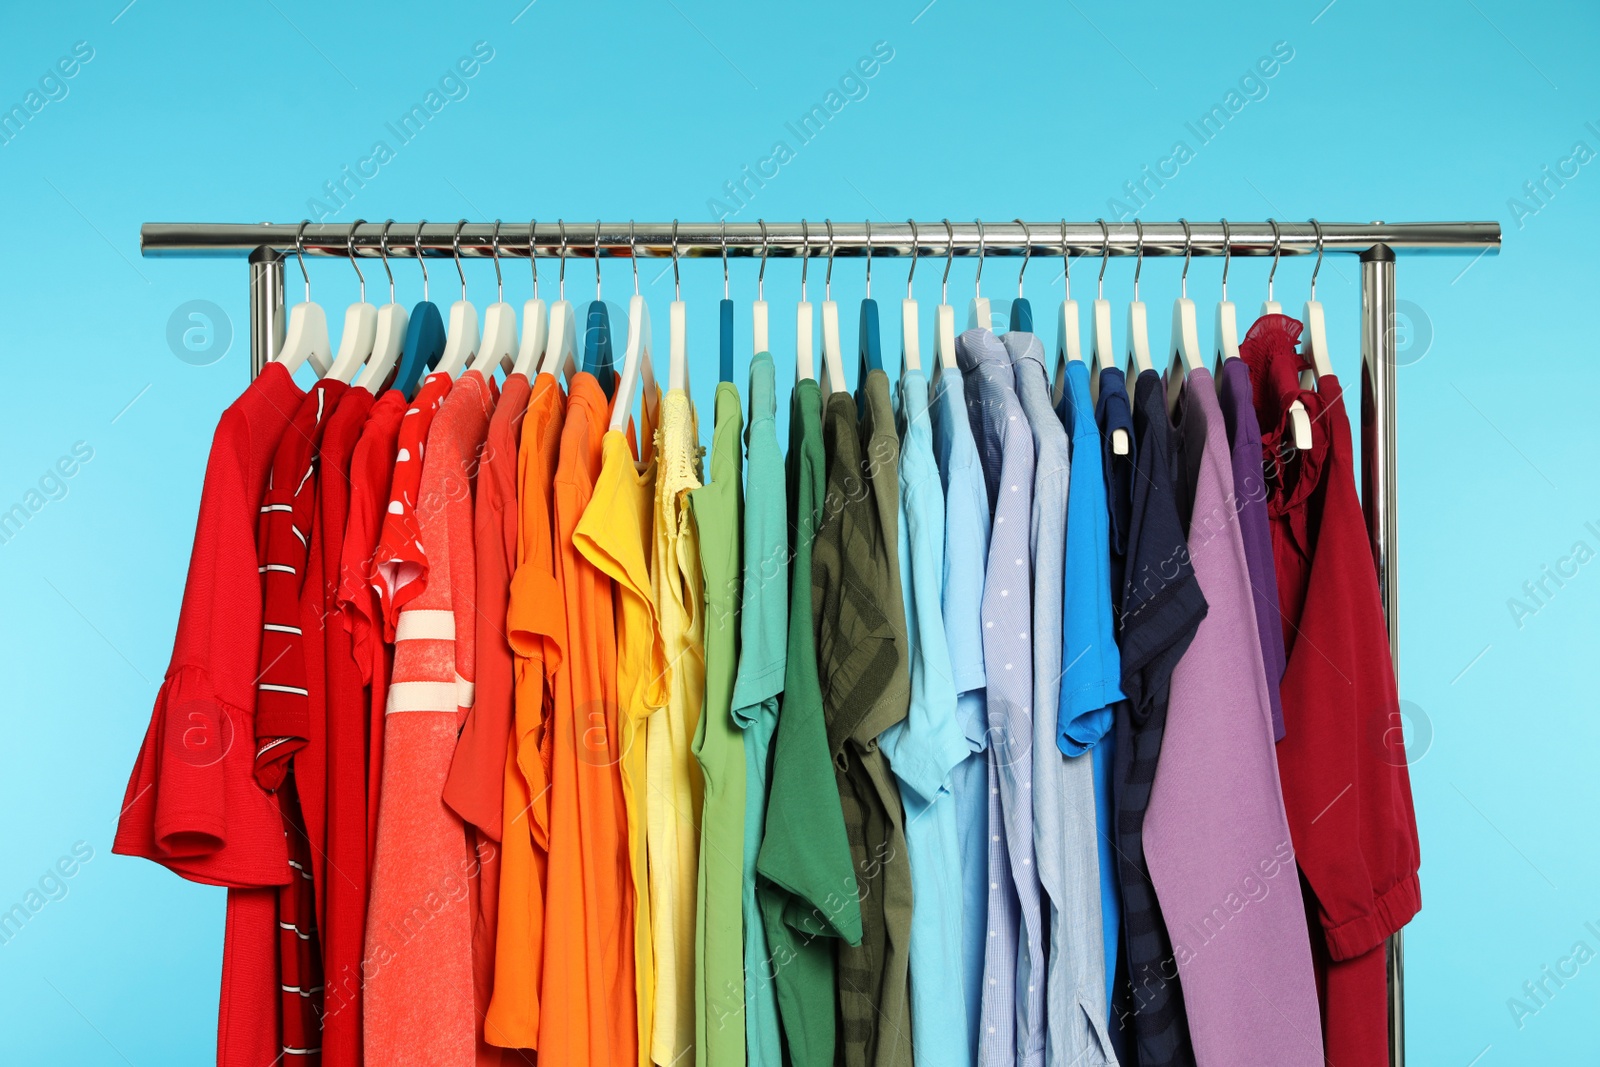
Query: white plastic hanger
(535, 328)
(636, 364)
(1299, 418)
(944, 317)
(461, 330)
(1185, 344)
(805, 344)
(677, 326)
(561, 346)
(1227, 323)
(758, 310)
(389, 338)
(832, 361)
(360, 323)
(498, 345)
(910, 340)
(1138, 320)
(1316, 343)
(1069, 338)
(306, 337)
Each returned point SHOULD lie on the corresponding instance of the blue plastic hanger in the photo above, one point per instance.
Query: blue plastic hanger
(425, 334)
(1021, 310)
(725, 350)
(598, 356)
(871, 348)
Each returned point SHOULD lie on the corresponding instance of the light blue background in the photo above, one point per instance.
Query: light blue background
(1403, 112)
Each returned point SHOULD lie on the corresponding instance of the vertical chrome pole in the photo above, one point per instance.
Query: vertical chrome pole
(1379, 501)
(266, 307)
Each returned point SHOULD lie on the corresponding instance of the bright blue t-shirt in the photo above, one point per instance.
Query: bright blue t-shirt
(1092, 671)
(926, 746)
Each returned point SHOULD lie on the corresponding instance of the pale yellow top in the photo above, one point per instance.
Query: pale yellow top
(615, 535)
(675, 785)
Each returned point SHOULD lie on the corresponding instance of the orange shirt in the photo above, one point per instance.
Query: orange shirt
(587, 996)
(536, 627)
(615, 536)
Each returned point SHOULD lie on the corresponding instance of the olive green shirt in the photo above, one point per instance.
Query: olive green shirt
(807, 883)
(863, 656)
(719, 748)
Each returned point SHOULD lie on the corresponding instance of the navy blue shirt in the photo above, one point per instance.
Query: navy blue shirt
(1160, 609)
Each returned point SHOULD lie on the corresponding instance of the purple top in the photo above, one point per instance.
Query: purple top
(1250, 499)
(1216, 838)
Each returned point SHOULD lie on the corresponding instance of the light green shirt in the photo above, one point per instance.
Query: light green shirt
(719, 747)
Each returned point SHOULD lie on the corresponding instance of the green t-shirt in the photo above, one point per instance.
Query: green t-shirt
(807, 882)
(719, 748)
(763, 652)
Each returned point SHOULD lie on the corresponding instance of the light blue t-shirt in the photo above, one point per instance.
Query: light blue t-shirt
(966, 548)
(1064, 833)
(926, 746)
(763, 656)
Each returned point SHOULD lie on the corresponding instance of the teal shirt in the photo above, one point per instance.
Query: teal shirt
(925, 747)
(764, 635)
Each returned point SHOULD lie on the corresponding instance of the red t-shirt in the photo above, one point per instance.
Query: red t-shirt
(287, 742)
(371, 468)
(342, 887)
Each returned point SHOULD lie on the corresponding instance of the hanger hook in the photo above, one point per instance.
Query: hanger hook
(533, 256)
(455, 246)
(597, 259)
(1066, 263)
(561, 253)
(494, 250)
(1188, 250)
(912, 273)
(827, 279)
(633, 255)
(761, 275)
(805, 256)
(1138, 264)
(1277, 253)
(1105, 257)
(977, 279)
(350, 250)
(677, 287)
(1227, 256)
(1027, 253)
(300, 254)
(416, 240)
(949, 254)
(868, 225)
(724, 259)
(1318, 227)
(383, 251)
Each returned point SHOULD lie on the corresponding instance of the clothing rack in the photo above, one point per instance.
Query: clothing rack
(266, 245)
